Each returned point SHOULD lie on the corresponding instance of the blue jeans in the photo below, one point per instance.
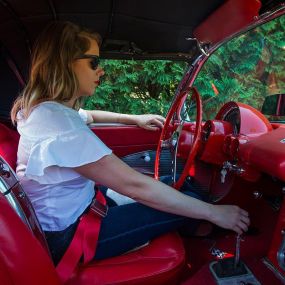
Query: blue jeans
(126, 227)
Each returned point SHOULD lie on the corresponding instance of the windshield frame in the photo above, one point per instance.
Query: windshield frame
(197, 64)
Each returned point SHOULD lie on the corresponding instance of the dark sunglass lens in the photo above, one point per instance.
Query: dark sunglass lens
(95, 62)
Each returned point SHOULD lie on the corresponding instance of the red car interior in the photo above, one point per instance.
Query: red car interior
(121, 144)
(156, 263)
(163, 260)
(245, 145)
(259, 153)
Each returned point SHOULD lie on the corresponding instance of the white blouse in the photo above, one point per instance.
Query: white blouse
(54, 139)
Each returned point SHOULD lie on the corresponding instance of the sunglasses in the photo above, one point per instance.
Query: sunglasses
(95, 60)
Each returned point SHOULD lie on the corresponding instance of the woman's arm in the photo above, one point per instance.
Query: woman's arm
(149, 121)
(115, 174)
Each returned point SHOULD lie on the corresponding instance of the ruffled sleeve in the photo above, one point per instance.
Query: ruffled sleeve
(51, 160)
(83, 115)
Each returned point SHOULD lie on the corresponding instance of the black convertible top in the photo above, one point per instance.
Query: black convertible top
(153, 26)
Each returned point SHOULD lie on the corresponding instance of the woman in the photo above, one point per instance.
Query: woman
(59, 158)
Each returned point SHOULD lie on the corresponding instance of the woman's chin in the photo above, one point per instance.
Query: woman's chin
(88, 94)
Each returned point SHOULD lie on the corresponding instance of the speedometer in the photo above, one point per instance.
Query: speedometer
(233, 117)
(230, 113)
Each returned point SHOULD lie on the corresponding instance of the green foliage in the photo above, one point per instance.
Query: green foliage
(137, 87)
(246, 69)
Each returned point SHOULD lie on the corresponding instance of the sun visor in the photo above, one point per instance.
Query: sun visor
(229, 18)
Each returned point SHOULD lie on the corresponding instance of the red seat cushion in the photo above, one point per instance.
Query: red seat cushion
(157, 263)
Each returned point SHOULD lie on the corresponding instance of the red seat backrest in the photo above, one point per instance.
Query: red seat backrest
(9, 140)
(23, 261)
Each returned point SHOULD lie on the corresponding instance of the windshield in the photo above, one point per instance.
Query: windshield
(137, 86)
(246, 69)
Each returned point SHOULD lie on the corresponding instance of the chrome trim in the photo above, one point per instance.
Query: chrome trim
(175, 142)
(281, 252)
(274, 270)
(18, 209)
(203, 48)
(7, 183)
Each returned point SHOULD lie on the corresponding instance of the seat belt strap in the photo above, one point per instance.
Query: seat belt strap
(85, 239)
(91, 233)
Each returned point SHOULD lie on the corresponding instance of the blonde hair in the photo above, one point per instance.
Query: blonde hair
(51, 75)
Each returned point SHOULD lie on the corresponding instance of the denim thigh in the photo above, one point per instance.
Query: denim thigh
(131, 225)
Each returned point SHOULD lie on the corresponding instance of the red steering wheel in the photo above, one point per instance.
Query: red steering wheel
(171, 131)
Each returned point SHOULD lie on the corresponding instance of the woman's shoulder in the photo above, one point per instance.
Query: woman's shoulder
(52, 107)
(52, 118)
(53, 111)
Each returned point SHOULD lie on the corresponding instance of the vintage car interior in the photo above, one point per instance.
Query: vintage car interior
(233, 154)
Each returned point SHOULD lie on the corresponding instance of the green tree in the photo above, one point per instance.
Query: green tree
(136, 86)
(246, 69)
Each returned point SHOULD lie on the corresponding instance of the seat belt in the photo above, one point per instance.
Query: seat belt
(85, 239)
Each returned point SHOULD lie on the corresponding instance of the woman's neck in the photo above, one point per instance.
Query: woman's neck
(69, 103)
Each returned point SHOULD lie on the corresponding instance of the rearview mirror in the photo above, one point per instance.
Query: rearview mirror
(274, 105)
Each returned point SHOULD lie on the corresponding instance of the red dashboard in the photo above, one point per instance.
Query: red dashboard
(243, 136)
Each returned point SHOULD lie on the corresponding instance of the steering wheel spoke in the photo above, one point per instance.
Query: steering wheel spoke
(171, 134)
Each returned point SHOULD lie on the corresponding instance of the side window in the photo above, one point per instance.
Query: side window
(246, 69)
(137, 86)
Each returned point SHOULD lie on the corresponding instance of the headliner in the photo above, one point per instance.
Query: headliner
(142, 22)
(144, 27)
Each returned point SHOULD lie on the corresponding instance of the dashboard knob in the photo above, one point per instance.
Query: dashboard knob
(146, 157)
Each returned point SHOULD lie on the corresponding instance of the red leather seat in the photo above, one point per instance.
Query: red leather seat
(9, 140)
(24, 261)
(157, 263)
(22, 258)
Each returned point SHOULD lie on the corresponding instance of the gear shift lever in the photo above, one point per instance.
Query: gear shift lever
(229, 267)
(232, 270)
(237, 253)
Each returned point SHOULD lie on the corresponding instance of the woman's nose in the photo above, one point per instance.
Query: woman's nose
(100, 71)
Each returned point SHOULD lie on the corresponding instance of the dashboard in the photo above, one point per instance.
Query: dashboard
(243, 136)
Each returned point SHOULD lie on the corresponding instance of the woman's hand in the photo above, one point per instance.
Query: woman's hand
(149, 121)
(230, 217)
